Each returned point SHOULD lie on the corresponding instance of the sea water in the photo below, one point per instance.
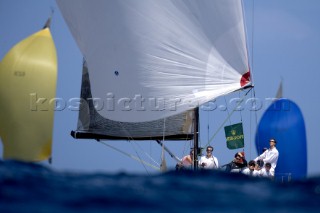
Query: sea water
(26, 187)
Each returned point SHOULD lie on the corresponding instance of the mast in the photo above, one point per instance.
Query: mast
(195, 138)
(170, 153)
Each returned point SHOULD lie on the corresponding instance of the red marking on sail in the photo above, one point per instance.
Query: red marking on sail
(245, 79)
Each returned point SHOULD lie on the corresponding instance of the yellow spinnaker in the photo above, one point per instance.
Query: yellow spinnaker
(28, 75)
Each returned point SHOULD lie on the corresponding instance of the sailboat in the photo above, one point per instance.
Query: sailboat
(283, 121)
(149, 65)
(28, 74)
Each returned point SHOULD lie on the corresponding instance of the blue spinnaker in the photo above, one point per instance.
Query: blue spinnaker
(284, 121)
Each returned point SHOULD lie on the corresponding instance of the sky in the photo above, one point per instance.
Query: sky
(283, 43)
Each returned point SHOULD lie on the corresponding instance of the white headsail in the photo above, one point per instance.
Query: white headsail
(152, 59)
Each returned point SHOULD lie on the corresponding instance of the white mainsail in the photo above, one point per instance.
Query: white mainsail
(149, 60)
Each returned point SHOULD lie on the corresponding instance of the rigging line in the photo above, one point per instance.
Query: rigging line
(240, 110)
(185, 145)
(225, 101)
(168, 151)
(252, 33)
(149, 156)
(241, 116)
(163, 139)
(214, 135)
(256, 119)
(150, 147)
(164, 128)
(138, 156)
(184, 148)
(131, 156)
(130, 138)
(163, 165)
(134, 142)
(199, 135)
(208, 125)
(192, 127)
(250, 147)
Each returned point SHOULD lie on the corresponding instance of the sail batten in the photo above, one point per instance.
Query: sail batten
(151, 60)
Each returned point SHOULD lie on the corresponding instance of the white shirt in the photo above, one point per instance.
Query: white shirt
(211, 162)
(265, 173)
(253, 173)
(269, 156)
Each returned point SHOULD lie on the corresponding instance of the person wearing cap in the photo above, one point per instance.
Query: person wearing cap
(237, 164)
(271, 156)
(208, 161)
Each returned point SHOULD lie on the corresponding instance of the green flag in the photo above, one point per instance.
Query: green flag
(234, 136)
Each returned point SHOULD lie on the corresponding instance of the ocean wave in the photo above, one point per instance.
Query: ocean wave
(36, 188)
